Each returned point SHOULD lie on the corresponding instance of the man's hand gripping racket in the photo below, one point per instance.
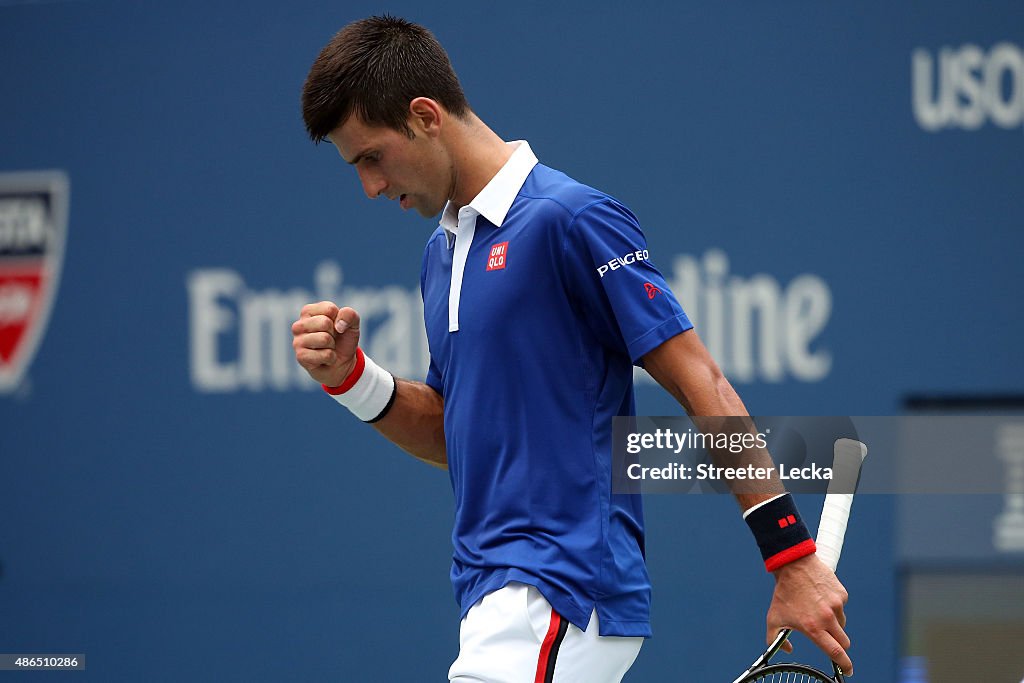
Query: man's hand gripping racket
(849, 456)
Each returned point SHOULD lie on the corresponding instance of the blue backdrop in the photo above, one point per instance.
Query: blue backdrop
(833, 189)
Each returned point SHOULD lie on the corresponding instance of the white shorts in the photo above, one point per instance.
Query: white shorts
(513, 636)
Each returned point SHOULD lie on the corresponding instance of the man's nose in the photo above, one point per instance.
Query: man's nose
(373, 184)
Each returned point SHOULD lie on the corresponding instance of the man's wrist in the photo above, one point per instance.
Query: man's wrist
(793, 565)
(779, 531)
(351, 378)
(368, 391)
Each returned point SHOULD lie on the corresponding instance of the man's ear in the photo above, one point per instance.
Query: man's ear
(426, 116)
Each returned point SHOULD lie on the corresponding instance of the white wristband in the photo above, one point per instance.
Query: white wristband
(369, 393)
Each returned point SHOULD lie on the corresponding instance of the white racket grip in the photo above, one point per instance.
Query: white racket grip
(832, 528)
(848, 457)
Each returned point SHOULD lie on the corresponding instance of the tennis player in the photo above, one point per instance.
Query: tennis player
(539, 297)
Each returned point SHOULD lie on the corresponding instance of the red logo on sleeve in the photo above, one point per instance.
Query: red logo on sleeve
(496, 259)
(651, 290)
(786, 521)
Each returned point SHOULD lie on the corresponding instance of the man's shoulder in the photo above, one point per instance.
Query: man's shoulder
(438, 233)
(437, 243)
(553, 191)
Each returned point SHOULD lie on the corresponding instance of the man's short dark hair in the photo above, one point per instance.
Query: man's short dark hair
(374, 67)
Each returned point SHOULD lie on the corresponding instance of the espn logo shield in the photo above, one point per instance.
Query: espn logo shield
(33, 223)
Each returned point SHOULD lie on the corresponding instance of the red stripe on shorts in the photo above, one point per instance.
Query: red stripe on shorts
(549, 648)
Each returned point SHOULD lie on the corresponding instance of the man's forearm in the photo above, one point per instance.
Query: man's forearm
(415, 422)
(807, 596)
(684, 368)
(722, 412)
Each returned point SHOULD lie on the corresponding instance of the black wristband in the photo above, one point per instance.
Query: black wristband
(780, 532)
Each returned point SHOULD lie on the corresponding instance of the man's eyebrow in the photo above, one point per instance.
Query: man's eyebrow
(357, 158)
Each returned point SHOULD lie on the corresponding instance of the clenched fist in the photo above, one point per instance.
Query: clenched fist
(325, 341)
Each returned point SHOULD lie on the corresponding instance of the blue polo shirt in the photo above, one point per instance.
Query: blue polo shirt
(539, 297)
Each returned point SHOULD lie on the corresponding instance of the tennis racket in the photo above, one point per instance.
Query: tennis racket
(848, 458)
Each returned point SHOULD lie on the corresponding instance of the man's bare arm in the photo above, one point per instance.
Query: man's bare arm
(415, 423)
(325, 339)
(683, 366)
(808, 597)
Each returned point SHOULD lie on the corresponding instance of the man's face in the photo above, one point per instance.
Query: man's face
(415, 171)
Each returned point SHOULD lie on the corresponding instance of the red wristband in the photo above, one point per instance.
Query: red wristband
(353, 377)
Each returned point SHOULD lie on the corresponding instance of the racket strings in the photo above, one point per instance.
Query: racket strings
(788, 677)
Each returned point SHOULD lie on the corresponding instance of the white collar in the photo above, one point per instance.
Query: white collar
(496, 198)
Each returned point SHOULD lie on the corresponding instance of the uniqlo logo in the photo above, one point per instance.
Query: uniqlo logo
(496, 260)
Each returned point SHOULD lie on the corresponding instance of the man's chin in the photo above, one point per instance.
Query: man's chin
(427, 212)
